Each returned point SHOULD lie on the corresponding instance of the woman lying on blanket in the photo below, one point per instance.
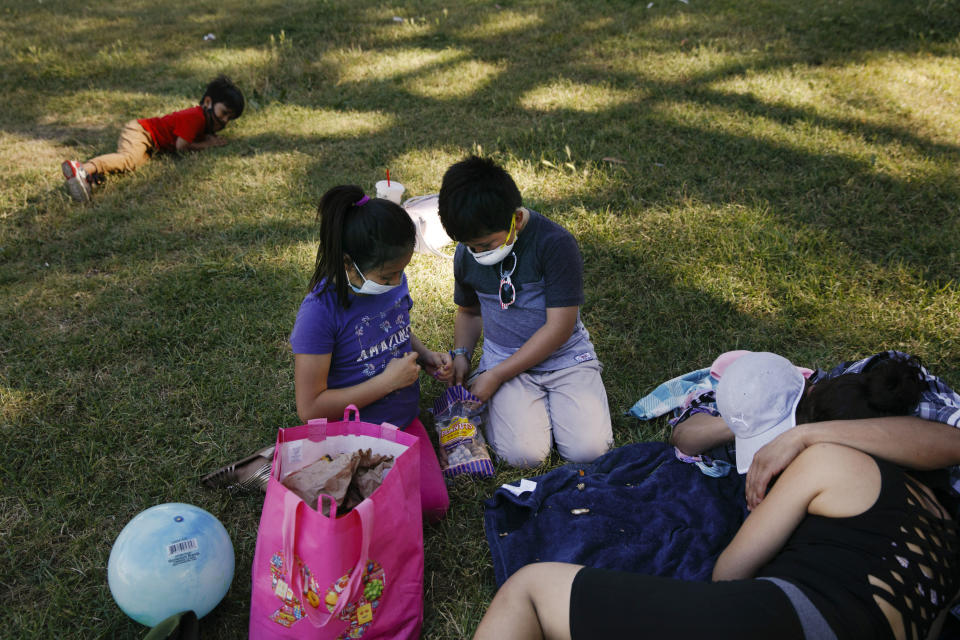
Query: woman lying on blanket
(844, 546)
(928, 442)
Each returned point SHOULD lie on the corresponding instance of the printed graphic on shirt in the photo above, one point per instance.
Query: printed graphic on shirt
(385, 332)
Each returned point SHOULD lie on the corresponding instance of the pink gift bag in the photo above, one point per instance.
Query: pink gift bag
(356, 576)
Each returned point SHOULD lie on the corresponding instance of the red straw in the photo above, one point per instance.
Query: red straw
(388, 177)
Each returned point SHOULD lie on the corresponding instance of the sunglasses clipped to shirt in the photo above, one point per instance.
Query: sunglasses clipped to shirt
(508, 294)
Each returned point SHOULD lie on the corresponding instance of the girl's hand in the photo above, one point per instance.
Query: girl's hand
(486, 385)
(401, 372)
(439, 365)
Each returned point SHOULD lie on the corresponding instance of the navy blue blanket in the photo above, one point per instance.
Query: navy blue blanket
(647, 513)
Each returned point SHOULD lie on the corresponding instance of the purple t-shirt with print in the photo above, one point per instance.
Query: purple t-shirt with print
(361, 339)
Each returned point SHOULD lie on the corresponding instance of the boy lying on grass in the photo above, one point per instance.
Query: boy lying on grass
(191, 129)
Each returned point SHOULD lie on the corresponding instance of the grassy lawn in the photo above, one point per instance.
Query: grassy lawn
(774, 175)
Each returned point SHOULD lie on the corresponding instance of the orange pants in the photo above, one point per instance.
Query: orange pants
(134, 148)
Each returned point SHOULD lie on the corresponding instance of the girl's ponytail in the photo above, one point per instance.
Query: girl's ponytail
(371, 231)
(335, 206)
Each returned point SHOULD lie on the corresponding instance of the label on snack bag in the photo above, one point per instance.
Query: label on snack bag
(458, 429)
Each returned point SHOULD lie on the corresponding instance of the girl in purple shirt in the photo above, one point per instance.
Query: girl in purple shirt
(352, 340)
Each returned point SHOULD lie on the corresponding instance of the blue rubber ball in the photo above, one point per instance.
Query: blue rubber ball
(170, 558)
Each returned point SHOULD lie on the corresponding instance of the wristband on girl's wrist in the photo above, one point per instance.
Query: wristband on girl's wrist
(459, 351)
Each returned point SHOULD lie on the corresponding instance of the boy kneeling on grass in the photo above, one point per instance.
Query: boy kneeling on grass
(519, 280)
(187, 130)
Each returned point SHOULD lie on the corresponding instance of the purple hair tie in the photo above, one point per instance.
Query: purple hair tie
(362, 201)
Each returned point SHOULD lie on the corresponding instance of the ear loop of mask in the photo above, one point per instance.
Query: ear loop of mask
(512, 229)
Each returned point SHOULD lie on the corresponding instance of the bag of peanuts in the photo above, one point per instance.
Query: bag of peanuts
(462, 447)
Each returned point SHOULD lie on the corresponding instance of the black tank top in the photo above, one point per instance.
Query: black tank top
(903, 549)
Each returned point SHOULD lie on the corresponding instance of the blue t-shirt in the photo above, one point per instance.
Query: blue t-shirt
(361, 340)
(549, 273)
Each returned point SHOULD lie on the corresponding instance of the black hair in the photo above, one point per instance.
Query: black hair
(890, 385)
(477, 198)
(373, 233)
(887, 386)
(222, 89)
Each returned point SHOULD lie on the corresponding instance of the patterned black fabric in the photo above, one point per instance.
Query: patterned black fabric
(919, 575)
(899, 556)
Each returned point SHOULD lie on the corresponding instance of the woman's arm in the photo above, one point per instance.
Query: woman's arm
(315, 400)
(767, 528)
(699, 433)
(826, 479)
(904, 440)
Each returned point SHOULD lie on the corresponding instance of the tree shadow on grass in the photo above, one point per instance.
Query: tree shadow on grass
(899, 24)
(183, 320)
(832, 193)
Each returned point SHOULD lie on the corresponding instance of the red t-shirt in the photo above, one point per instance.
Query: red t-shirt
(188, 124)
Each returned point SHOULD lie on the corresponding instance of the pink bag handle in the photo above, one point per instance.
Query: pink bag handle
(387, 430)
(320, 427)
(292, 504)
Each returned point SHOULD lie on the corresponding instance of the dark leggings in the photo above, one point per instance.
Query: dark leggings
(616, 604)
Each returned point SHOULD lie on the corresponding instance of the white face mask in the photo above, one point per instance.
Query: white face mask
(369, 287)
(493, 256)
(497, 255)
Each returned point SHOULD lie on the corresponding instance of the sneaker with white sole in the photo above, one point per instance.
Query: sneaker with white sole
(77, 183)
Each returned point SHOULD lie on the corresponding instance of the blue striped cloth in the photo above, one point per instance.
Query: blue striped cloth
(671, 394)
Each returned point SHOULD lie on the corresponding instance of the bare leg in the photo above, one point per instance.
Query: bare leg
(534, 604)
